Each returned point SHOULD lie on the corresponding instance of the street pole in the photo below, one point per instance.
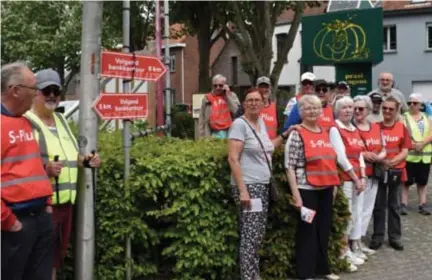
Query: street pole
(126, 129)
(87, 139)
(159, 86)
(167, 65)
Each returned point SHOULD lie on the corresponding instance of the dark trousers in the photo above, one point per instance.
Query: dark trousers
(311, 247)
(388, 198)
(28, 254)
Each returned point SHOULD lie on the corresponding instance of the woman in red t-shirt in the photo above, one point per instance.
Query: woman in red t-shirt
(398, 142)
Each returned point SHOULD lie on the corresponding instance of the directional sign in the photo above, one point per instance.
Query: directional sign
(130, 66)
(121, 106)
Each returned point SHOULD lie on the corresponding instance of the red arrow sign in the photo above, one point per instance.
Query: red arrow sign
(121, 106)
(128, 66)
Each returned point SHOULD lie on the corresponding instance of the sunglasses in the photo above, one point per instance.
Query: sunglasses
(385, 108)
(360, 109)
(321, 89)
(412, 103)
(48, 90)
(218, 86)
(306, 83)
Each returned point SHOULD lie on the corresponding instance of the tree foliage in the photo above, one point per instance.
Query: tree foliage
(254, 25)
(47, 34)
(205, 19)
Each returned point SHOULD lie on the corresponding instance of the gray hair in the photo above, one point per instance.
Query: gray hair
(366, 99)
(344, 101)
(308, 98)
(11, 74)
(219, 77)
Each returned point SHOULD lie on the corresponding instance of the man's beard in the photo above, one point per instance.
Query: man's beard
(50, 105)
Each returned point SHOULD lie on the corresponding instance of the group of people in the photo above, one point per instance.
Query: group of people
(369, 147)
(39, 170)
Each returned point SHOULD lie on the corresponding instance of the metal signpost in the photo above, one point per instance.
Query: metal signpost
(87, 139)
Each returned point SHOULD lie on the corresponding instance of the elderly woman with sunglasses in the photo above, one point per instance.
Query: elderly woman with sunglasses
(419, 158)
(250, 154)
(373, 154)
(398, 142)
(349, 146)
(310, 163)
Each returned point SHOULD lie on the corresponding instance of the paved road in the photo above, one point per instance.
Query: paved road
(415, 262)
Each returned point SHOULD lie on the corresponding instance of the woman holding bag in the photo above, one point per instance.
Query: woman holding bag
(249, 155)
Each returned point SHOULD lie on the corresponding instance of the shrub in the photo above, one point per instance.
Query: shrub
(180, 214)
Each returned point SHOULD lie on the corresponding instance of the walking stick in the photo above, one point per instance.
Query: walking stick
(93, 171)
(59, 227)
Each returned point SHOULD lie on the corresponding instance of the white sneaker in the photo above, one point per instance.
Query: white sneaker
(360, 255)
(365, 249)
(351, 258)
(352, 268)
(332, 276)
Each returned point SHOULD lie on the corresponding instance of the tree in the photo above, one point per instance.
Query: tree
(254, 24)
(205, 19)
(47, 34)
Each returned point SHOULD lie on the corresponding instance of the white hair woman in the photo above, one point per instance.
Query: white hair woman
(398, 142)
(419, 158)
(349, 146)
(373, 155)
(310, 163)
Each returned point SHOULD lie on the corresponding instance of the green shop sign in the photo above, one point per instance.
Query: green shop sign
(343, 37)
(357, 75)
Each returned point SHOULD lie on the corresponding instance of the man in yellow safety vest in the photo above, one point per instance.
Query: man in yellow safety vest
(59, 151)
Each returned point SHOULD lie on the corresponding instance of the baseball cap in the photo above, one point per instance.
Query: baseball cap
(263, 80)
(340, 84)
(375, 96)
(47, 77)
(307, 76)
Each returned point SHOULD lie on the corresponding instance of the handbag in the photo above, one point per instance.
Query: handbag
(274, 193)
(394, 177)
(378, 171)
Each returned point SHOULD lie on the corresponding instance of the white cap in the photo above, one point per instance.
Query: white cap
(307, 76)
(416, 96)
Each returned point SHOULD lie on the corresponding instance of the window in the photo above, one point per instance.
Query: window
(389, 38)
(429, 35)
(280, 41)
(173, 63)
(234, 70)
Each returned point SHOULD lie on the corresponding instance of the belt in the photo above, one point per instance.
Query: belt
(30, 211)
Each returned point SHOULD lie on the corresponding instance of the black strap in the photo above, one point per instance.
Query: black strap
(261, 144)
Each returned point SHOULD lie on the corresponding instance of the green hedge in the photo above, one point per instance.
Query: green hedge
(181, 215)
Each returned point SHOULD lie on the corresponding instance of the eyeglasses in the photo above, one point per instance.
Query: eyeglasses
(385, 80)
(360, 109)
(310, 109)
(385, 108)
(321, 89)
(412, 103)
(48, 90)
(307, 83)
(218, 86)
(252, 101)
(24, 86)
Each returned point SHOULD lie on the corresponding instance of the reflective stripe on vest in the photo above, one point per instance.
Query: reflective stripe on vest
(269, 115)
(64, 145)
(393, 137)
(23, 177)
(220, 115)
(320, 157)
(353, 146)
(373, 143)
(426, 154)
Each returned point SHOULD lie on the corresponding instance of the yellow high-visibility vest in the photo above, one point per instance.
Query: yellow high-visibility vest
(426, 154)
(65, 146)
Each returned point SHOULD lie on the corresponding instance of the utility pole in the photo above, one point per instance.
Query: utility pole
(168, 90)
(159, 86)
(88, 133)
(126, 129)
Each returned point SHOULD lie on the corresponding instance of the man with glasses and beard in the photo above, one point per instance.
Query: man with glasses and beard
(59, 152)
(218, 108)
(386, 89)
